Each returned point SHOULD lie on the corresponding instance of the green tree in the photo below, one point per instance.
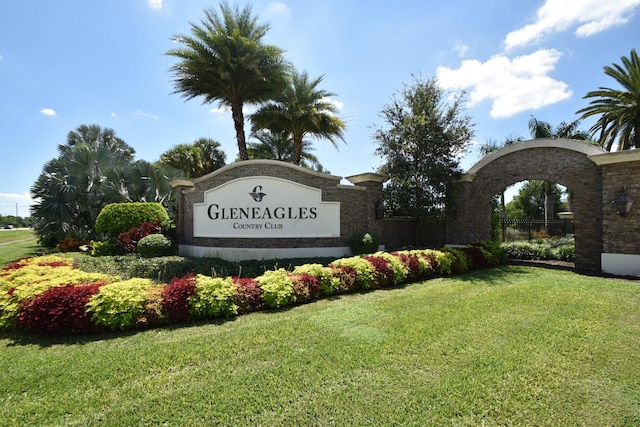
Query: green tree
(195, 160)
(224, 60)
(94, 168)
(279, 146)
(619, 109)
(529, 202)
(301, 109)
(426, 131)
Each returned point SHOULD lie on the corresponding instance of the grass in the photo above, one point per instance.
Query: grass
(16, 244)
(512, 345)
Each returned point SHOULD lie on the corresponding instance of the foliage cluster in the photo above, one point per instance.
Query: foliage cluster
(155, 245)
(49, 295)
(560, 249)
(364, 243)
(116, 218)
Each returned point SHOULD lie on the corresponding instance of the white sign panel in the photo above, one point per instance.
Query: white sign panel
(265, 207)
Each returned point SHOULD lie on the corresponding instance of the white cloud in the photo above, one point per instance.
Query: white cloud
(513, 86)
(590, 17)
(337, 104)
(114, 115)
(461, 49)
(141, 113)
(48, 112)
(220, 110)
(155, 4)
(277, 10)
(0, 57)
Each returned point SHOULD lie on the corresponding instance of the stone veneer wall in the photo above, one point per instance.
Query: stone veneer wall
(357, 204)
(621, 235)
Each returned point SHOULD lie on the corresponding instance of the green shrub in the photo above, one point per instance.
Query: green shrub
(155, 245)
(115, 218)
(460, 262)
(400, 271)
(562, 249)
(362, 267)
(104, 248)
(328, 283)
(364, 243)
(119, 305)
(443, 260)
(277, 288)
(213, 297)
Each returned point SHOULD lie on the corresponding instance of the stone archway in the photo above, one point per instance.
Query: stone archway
(563, 161)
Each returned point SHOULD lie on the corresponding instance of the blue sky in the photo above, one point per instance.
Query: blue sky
(71, 62)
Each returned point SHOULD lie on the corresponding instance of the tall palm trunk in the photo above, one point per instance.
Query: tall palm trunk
(238, 122)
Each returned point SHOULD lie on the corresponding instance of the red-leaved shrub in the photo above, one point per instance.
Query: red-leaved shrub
(70, 244)
(60, 310)
(306, 287)
(347, 278)
(248, 295)
(175, 297)
(128, 240)
(475, 257)
(433, 262)
(411, 262)
(382, 272)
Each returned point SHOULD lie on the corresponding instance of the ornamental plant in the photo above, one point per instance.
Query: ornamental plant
(363, 269)
(443, 261)
(70, 244)
(155, 245)
(412, 264)
(346, 278)
(305, 287)
(213, 297)
(175, 297)
(328, 282)
(58, 311)
(364, 243)
(460, 261)
(248, 294)
(277, 288)
(128, 240)
(119, 305)
(115, 218)
(398, 270)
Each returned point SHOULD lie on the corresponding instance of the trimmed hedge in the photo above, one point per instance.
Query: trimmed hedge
(48, 295)
(116, 218)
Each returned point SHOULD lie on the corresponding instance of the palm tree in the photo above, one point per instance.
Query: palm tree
(94, 168)
(619, 109)
(225, 60)
(301, 109)
(195, 160)
(279, 146)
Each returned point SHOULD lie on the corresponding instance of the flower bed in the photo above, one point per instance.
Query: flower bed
(49, 295)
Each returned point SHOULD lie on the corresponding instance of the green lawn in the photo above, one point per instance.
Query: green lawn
(16, 244)
(512, 345)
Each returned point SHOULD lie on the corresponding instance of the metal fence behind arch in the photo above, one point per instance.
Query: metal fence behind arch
(526, 229)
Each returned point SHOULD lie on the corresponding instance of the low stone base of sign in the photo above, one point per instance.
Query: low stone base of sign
(245, 254)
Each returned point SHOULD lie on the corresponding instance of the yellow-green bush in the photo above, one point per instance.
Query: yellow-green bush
(213, 297)
(119, 305)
